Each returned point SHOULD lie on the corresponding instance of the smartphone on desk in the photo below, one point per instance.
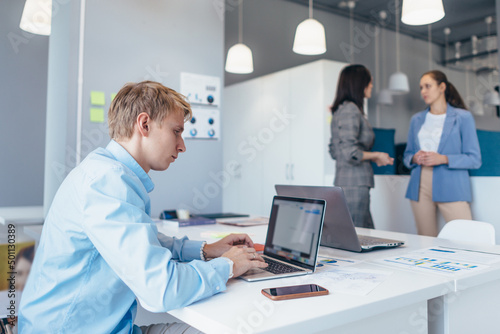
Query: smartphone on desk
(294, 291)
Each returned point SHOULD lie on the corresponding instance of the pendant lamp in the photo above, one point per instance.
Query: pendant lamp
(398, 82)
(239, 57)
(385, 97)
(37, 17)
(421, 12)
(492, 98)
(309, 36)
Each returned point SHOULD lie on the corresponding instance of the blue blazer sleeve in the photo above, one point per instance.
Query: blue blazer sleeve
(470, 156)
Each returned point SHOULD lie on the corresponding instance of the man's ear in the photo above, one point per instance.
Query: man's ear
(143, 124)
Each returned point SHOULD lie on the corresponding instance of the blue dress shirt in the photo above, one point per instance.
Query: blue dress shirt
(100, 250)
(450, 183)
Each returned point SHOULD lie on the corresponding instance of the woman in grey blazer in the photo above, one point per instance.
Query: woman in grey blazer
(351, 141)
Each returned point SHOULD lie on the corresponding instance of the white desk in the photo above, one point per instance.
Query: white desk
(407, 302)
(21, 215)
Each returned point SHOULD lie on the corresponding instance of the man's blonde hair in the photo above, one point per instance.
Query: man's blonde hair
(150, 97)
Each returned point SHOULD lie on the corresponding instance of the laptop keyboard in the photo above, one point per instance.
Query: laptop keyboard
(371, 241)
(276, 267)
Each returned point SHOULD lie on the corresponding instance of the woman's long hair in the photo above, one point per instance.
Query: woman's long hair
(351, 87)
(451, 93)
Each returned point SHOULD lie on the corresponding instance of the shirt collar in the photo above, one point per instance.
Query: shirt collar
(125, 158)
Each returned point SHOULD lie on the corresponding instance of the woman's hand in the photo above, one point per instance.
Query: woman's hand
(429, 159)
(382, 159)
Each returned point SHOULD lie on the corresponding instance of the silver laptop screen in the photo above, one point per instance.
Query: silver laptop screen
(295, 229)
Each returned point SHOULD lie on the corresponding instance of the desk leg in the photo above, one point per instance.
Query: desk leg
(472, 310)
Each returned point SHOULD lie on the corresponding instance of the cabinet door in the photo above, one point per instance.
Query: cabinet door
(275, 134)
(240, 157)
(307, 127)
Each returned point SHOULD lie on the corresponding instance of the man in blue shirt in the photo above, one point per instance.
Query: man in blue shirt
(100, 251)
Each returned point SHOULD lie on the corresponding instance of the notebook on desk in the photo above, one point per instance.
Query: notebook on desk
(338, 230)
(292, 240)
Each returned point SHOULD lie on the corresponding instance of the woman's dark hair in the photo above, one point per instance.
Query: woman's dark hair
(451, 94)
(353, 81)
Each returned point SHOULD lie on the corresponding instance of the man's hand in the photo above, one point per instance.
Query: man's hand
(220, 247)
(244, 259)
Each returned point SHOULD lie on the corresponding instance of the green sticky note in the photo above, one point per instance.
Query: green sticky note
(113, 95)
(97, 115)
(97, 98)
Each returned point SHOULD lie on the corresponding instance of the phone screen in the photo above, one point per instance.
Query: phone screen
(292, 290)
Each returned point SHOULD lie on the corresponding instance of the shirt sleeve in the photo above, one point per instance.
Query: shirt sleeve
(349, 147)
(470, 157)
(116, 222)
(182, 249)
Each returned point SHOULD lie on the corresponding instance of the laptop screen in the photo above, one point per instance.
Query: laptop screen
(294, 231)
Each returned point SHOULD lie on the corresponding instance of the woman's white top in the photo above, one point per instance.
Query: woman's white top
(429, 135)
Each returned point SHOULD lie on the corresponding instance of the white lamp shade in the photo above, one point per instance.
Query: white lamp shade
(385, 97)
(492, 98)
(37, 17)
(239, 59)
(398, 83)
(309, 38)
(420, 12)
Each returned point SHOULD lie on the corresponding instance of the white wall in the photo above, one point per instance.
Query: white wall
(131, 41)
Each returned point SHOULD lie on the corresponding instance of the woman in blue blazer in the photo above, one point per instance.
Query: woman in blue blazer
(442, 146)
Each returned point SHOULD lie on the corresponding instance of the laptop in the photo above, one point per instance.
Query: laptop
(293, 238)
(338, 231)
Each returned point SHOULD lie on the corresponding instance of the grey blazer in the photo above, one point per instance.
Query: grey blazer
(351, 135)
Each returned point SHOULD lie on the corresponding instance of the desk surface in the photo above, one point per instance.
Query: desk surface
(242, 307)
(401, 300)
(25, 215)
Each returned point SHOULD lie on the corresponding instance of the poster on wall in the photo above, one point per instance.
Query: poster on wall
(203, 93)
(205, 124)
(201, 89)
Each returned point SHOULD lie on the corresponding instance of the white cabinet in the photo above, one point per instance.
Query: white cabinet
(275, 129)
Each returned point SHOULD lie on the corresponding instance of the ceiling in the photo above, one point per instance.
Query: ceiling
(464, 17)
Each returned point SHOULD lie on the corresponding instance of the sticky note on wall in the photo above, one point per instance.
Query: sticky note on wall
(97, 115)
(97, 98)
(113, 95)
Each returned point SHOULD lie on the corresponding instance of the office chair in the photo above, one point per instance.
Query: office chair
(468, 230)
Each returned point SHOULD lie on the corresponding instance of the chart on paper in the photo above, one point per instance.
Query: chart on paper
(445, 260)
